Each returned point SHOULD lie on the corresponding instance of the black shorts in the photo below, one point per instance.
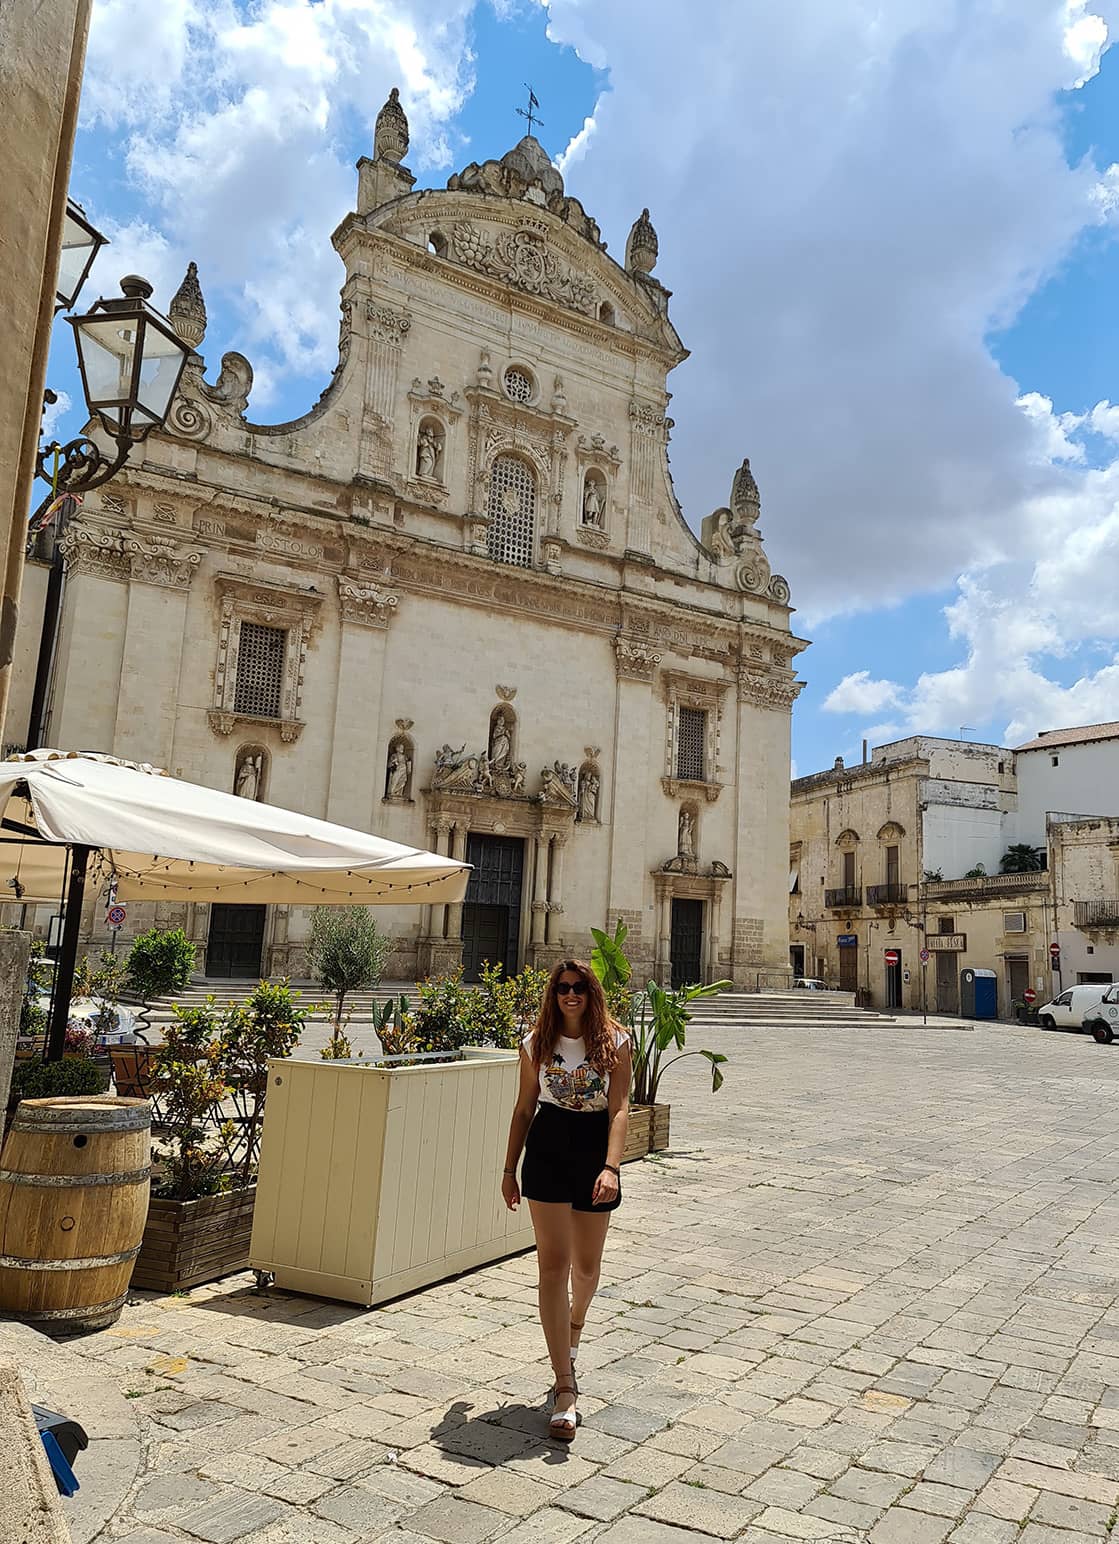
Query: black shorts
(564, 1154)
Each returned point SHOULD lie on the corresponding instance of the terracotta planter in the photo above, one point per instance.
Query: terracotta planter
(189, 1242)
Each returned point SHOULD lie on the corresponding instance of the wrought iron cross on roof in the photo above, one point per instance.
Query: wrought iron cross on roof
(527, 112)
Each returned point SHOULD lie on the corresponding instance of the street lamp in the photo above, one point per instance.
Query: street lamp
(81, 243)
(131, 360)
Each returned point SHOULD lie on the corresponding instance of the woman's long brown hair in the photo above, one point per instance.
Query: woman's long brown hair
(597, 1025)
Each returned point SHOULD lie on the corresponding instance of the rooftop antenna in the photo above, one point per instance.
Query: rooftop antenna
(527, 112)
(966, 729)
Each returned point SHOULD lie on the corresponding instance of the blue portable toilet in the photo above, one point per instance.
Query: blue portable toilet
(979, 994)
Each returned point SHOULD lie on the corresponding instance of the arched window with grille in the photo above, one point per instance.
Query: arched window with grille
(512, 511)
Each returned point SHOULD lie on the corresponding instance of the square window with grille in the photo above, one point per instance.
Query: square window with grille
(1014, 921)
(260, 670)
(691, 732)
(512, 511)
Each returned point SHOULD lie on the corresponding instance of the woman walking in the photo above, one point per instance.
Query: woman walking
(570, 1118)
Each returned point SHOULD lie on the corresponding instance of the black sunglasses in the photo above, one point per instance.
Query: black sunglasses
(565, 988)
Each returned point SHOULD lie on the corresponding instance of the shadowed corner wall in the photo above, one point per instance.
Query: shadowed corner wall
(42, 52)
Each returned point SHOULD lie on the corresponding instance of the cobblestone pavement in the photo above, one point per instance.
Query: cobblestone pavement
(872, 1293)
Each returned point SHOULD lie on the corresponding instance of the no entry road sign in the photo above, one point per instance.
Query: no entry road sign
(893, 956)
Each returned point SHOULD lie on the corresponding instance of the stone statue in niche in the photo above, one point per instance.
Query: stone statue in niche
(398, 774)
(250, 775)
(592, 502)
(588, 796)
(429, 453)
(501, 742)
(685, 845)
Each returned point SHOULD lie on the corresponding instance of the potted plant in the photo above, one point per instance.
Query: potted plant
(211, 1077)
(657, 1021)
(73, 1077)
(159, 962)
(347, 951)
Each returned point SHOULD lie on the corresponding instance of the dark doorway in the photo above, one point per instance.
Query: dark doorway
(687, 943)
(848, 969)
(893, 983)
(236, 942)
(796, 958)
(1017, 976)
(491, 913)
(947, 983)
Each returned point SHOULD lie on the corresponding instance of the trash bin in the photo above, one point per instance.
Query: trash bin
(978, 994)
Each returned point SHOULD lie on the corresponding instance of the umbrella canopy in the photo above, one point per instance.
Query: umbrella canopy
(164, 839)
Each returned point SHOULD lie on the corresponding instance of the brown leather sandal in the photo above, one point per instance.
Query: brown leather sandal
(563, 1422)
(574, 1347)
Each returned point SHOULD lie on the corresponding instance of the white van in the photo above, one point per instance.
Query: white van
(1071, 1007)
(1103, 1019)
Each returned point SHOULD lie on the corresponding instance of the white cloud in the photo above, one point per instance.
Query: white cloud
(238, 124)
(858, 693)
(51, 415)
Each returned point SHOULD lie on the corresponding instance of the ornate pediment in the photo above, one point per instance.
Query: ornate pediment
(523, 259)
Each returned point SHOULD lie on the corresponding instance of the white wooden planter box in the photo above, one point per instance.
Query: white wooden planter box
(375, 1181)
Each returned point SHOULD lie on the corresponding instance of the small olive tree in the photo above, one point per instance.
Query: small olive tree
(347, 952)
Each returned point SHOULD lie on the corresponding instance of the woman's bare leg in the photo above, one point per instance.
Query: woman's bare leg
(588, 1236)
(551, 1221)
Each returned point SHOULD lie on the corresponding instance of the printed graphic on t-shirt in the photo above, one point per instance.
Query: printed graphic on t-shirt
(580, 1088)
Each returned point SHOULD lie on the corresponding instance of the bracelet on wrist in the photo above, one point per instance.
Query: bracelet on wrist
(509, 1171)
(612, 1169)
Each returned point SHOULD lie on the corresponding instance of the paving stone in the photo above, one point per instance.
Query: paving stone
(359, 1508)
(704, 1511)
(868, 1487)
(1038, 1533)
(515, 1494)
(456, 1521)
(601, 1498)
(644, 1530)
(622, 1421)
(551, 1525)
(940, 1500)
(902, 1526)
(233, 1516)
(1069, 1512)
(963, 1467)
(980, 1528)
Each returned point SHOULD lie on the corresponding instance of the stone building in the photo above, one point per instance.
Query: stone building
(883, 865)
(1084, 866)
(456, 602)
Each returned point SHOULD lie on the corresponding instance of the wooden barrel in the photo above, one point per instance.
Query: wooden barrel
(74, 1182)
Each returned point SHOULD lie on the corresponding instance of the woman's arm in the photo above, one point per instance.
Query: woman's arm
(608, 1184)
(525, 1108)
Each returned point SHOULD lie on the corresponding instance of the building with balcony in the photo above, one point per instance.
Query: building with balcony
(1084, 861)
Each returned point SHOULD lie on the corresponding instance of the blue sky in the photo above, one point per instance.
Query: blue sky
(879, 235)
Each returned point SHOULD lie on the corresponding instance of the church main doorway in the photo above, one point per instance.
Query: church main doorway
(687, 942)
(491, 913)
(236, 942)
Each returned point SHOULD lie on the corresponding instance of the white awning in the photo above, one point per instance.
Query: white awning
(165, 839)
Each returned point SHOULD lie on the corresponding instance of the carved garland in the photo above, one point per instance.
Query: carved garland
(522, 258)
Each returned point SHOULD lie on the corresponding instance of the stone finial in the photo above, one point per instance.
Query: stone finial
(745, 500)
(390, 137)
(187, 310)
(642, 246)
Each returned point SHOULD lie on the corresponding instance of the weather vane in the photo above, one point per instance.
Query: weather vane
(528, 112)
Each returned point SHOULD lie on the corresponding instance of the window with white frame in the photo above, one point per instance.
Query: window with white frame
(512, 511)
(691, 736)
(1014, 921)
(260, 670)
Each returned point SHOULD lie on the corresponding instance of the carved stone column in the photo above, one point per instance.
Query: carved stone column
(443, 848)
(555, 891)
(540, 890)
(636, 661)
(386, 330)
(713, 908)
(364, 613)
(664, 937)
(458, 852)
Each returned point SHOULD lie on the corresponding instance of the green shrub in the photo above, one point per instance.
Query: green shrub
(347, 951)
(75, 1075)
(160, 961)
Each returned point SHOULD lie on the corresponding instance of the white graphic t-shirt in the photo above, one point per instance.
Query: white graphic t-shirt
(569, 1080)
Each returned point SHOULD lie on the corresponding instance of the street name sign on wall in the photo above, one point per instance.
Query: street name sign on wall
(947, 943)
(848, 940)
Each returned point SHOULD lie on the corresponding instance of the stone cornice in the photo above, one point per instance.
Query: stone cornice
(635, 660)
(365, 604)
(765, 691)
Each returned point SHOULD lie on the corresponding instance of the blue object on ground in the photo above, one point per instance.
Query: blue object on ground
(64, 1476)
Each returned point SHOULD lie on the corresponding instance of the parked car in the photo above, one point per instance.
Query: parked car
(1103, 1020)
(1071, 1008)
(809, 984)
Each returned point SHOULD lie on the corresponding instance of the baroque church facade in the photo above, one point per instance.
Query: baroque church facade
(456, 603)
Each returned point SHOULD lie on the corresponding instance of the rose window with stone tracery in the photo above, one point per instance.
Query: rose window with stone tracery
(518, 385)
(512, 512)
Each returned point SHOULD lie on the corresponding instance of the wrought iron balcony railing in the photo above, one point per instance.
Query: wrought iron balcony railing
(849, 895)
(887, 895)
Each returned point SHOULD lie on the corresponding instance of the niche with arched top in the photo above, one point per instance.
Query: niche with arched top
(437, 244)
(606, 313)
(501, 744)
(592, 511)
(589, 794)
(431, 445)
(399, 762)
(250, 772)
